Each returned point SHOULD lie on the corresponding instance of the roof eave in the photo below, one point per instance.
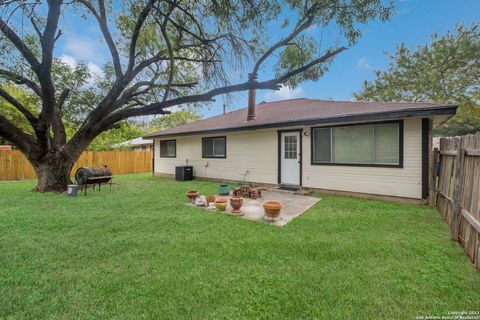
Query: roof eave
(408, 113)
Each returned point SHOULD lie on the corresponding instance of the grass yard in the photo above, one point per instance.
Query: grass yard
(138, 252)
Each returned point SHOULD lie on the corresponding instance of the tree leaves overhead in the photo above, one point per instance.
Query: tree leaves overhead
(445, 71)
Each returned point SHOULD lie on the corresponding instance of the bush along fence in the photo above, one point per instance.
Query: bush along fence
(14, 166)
(456, 190)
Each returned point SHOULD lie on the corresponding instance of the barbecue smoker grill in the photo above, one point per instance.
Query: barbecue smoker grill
(93, 176)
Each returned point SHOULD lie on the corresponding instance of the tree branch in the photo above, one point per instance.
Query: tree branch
(274, 84)
(304, 68)
(59, 133)
(20, 107)
(18, 79)
(103, 23)
(21, 46)
(9, 131)
(136, 32)
(285, 41)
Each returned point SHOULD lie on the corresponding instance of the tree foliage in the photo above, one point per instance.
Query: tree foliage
(445, 71)
(174, 119)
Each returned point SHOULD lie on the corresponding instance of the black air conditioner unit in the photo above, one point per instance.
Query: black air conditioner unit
(183, 173)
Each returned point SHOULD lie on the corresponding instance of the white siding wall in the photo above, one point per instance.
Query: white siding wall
(401, 182)
(256, 151)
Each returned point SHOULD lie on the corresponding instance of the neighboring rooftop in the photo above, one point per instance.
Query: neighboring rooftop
(134, 143)
(306, 112)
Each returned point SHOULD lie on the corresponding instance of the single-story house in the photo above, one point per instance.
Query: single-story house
(365, 148)
(137, 144)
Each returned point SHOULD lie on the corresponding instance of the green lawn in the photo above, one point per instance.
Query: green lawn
(139, 252)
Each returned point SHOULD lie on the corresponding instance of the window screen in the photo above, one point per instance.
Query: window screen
(386, 143)
(375, 144)
(352, 144)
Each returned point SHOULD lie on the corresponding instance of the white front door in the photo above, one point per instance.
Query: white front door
(290, 158)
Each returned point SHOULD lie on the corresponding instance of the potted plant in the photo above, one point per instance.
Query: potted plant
(236, 203)
(210, 199)
(221, 204)
(272, 208)
(192, 195)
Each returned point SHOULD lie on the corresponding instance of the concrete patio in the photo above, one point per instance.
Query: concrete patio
(293, 205)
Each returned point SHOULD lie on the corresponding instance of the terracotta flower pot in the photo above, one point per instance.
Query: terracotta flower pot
(272, 208)
(221, 204)
(210, 199)
(192, 195)
(236, 203)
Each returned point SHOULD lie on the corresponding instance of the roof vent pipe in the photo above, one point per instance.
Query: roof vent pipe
(252, 95)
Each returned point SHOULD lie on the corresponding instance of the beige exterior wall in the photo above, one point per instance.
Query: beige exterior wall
(256, 151)
(400, 182)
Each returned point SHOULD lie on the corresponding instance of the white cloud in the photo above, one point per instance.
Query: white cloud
(364, 64)
(84, 49)
(69, 60)
(284, 93)
(95, 69)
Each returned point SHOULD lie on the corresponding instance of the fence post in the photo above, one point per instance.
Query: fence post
(435, 166)
(457, 193)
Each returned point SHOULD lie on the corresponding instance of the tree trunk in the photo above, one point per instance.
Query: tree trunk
(53, 172)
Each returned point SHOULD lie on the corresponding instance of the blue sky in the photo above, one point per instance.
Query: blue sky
(413, 24)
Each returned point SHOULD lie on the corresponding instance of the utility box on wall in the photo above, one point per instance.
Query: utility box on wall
(183, 173)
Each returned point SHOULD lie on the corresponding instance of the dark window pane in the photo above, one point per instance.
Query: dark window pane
(219, 147)
(208, 147)
(171, 146)
(214, 147)
(163, 148)
(321, 145)
(168, 148)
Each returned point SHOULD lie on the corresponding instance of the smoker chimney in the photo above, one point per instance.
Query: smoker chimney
(251, 99)
(224, 108)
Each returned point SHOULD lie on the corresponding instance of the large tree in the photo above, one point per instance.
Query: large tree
(447, 71)
(164, 53)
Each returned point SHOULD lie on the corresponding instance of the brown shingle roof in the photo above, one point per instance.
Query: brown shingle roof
(306, 111)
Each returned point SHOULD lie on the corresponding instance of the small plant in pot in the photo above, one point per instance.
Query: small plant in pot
(210, 199)
(272, 209)
(192, 195)
(221, 204)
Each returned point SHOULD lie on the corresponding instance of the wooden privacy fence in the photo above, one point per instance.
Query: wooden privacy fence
(14, 166)
(456, 190)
